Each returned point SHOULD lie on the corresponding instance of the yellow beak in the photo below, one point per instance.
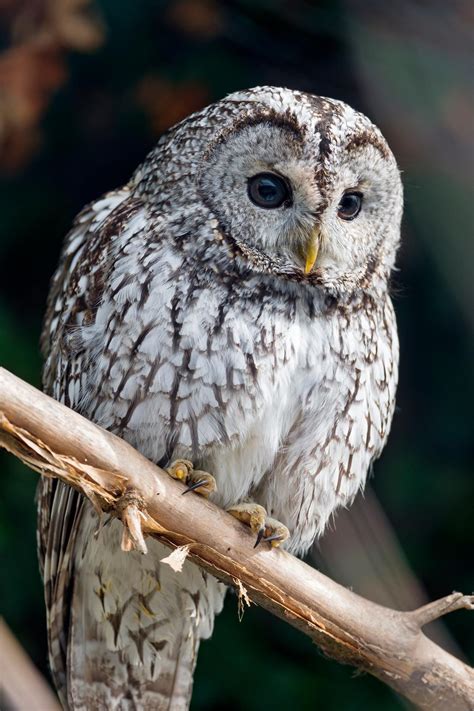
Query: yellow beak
(313, 249)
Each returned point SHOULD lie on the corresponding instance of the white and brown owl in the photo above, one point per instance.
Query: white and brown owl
(229, 306)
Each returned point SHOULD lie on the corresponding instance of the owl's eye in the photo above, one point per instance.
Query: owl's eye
(269, 190)
(349, 206)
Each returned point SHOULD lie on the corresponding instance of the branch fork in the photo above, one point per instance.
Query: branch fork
(434, 610)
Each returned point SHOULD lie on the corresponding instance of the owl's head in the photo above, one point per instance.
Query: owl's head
(300, 187)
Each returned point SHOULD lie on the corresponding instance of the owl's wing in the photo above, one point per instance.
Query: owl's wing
(59, 506)
(123, 631)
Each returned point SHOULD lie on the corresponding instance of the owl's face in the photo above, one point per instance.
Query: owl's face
(305, 187)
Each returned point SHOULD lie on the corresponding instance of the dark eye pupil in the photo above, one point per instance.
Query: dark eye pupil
(268, 190)
(349, 206)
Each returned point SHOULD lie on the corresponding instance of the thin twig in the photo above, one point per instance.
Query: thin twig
(434, 610)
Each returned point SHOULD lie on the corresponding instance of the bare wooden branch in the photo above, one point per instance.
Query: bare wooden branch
(387, 643)
(362, 551)
(21, 685)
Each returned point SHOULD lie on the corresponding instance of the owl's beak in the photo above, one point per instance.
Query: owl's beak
(312, 250)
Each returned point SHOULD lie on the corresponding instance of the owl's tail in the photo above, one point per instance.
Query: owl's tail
(135, 625)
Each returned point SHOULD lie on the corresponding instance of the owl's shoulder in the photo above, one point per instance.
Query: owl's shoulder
(81, 278)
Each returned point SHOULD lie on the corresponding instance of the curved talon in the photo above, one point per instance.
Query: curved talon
(266, 529)
(275, 537)
(260, 536)
(195, 485)
(203, 483)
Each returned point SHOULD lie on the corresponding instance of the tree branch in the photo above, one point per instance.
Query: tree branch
(21, 685)
(389, 644)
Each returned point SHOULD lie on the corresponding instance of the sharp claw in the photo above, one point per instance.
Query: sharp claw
(195, 485)
(260, 535)
(275, 537)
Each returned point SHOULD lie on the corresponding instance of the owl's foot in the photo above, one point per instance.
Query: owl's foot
(200, 482)
(266, 528)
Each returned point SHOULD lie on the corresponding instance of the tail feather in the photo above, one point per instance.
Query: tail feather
(135, 625)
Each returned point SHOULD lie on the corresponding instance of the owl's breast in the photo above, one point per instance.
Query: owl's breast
(199, 371)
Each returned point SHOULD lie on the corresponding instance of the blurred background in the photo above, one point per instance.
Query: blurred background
(86, 88)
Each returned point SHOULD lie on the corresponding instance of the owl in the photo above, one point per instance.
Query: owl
(226, 312)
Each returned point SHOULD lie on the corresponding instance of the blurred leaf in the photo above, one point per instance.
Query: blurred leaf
(73, 25)
(166, 103)
(28, 77)
(201, 18)
(34, 68)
